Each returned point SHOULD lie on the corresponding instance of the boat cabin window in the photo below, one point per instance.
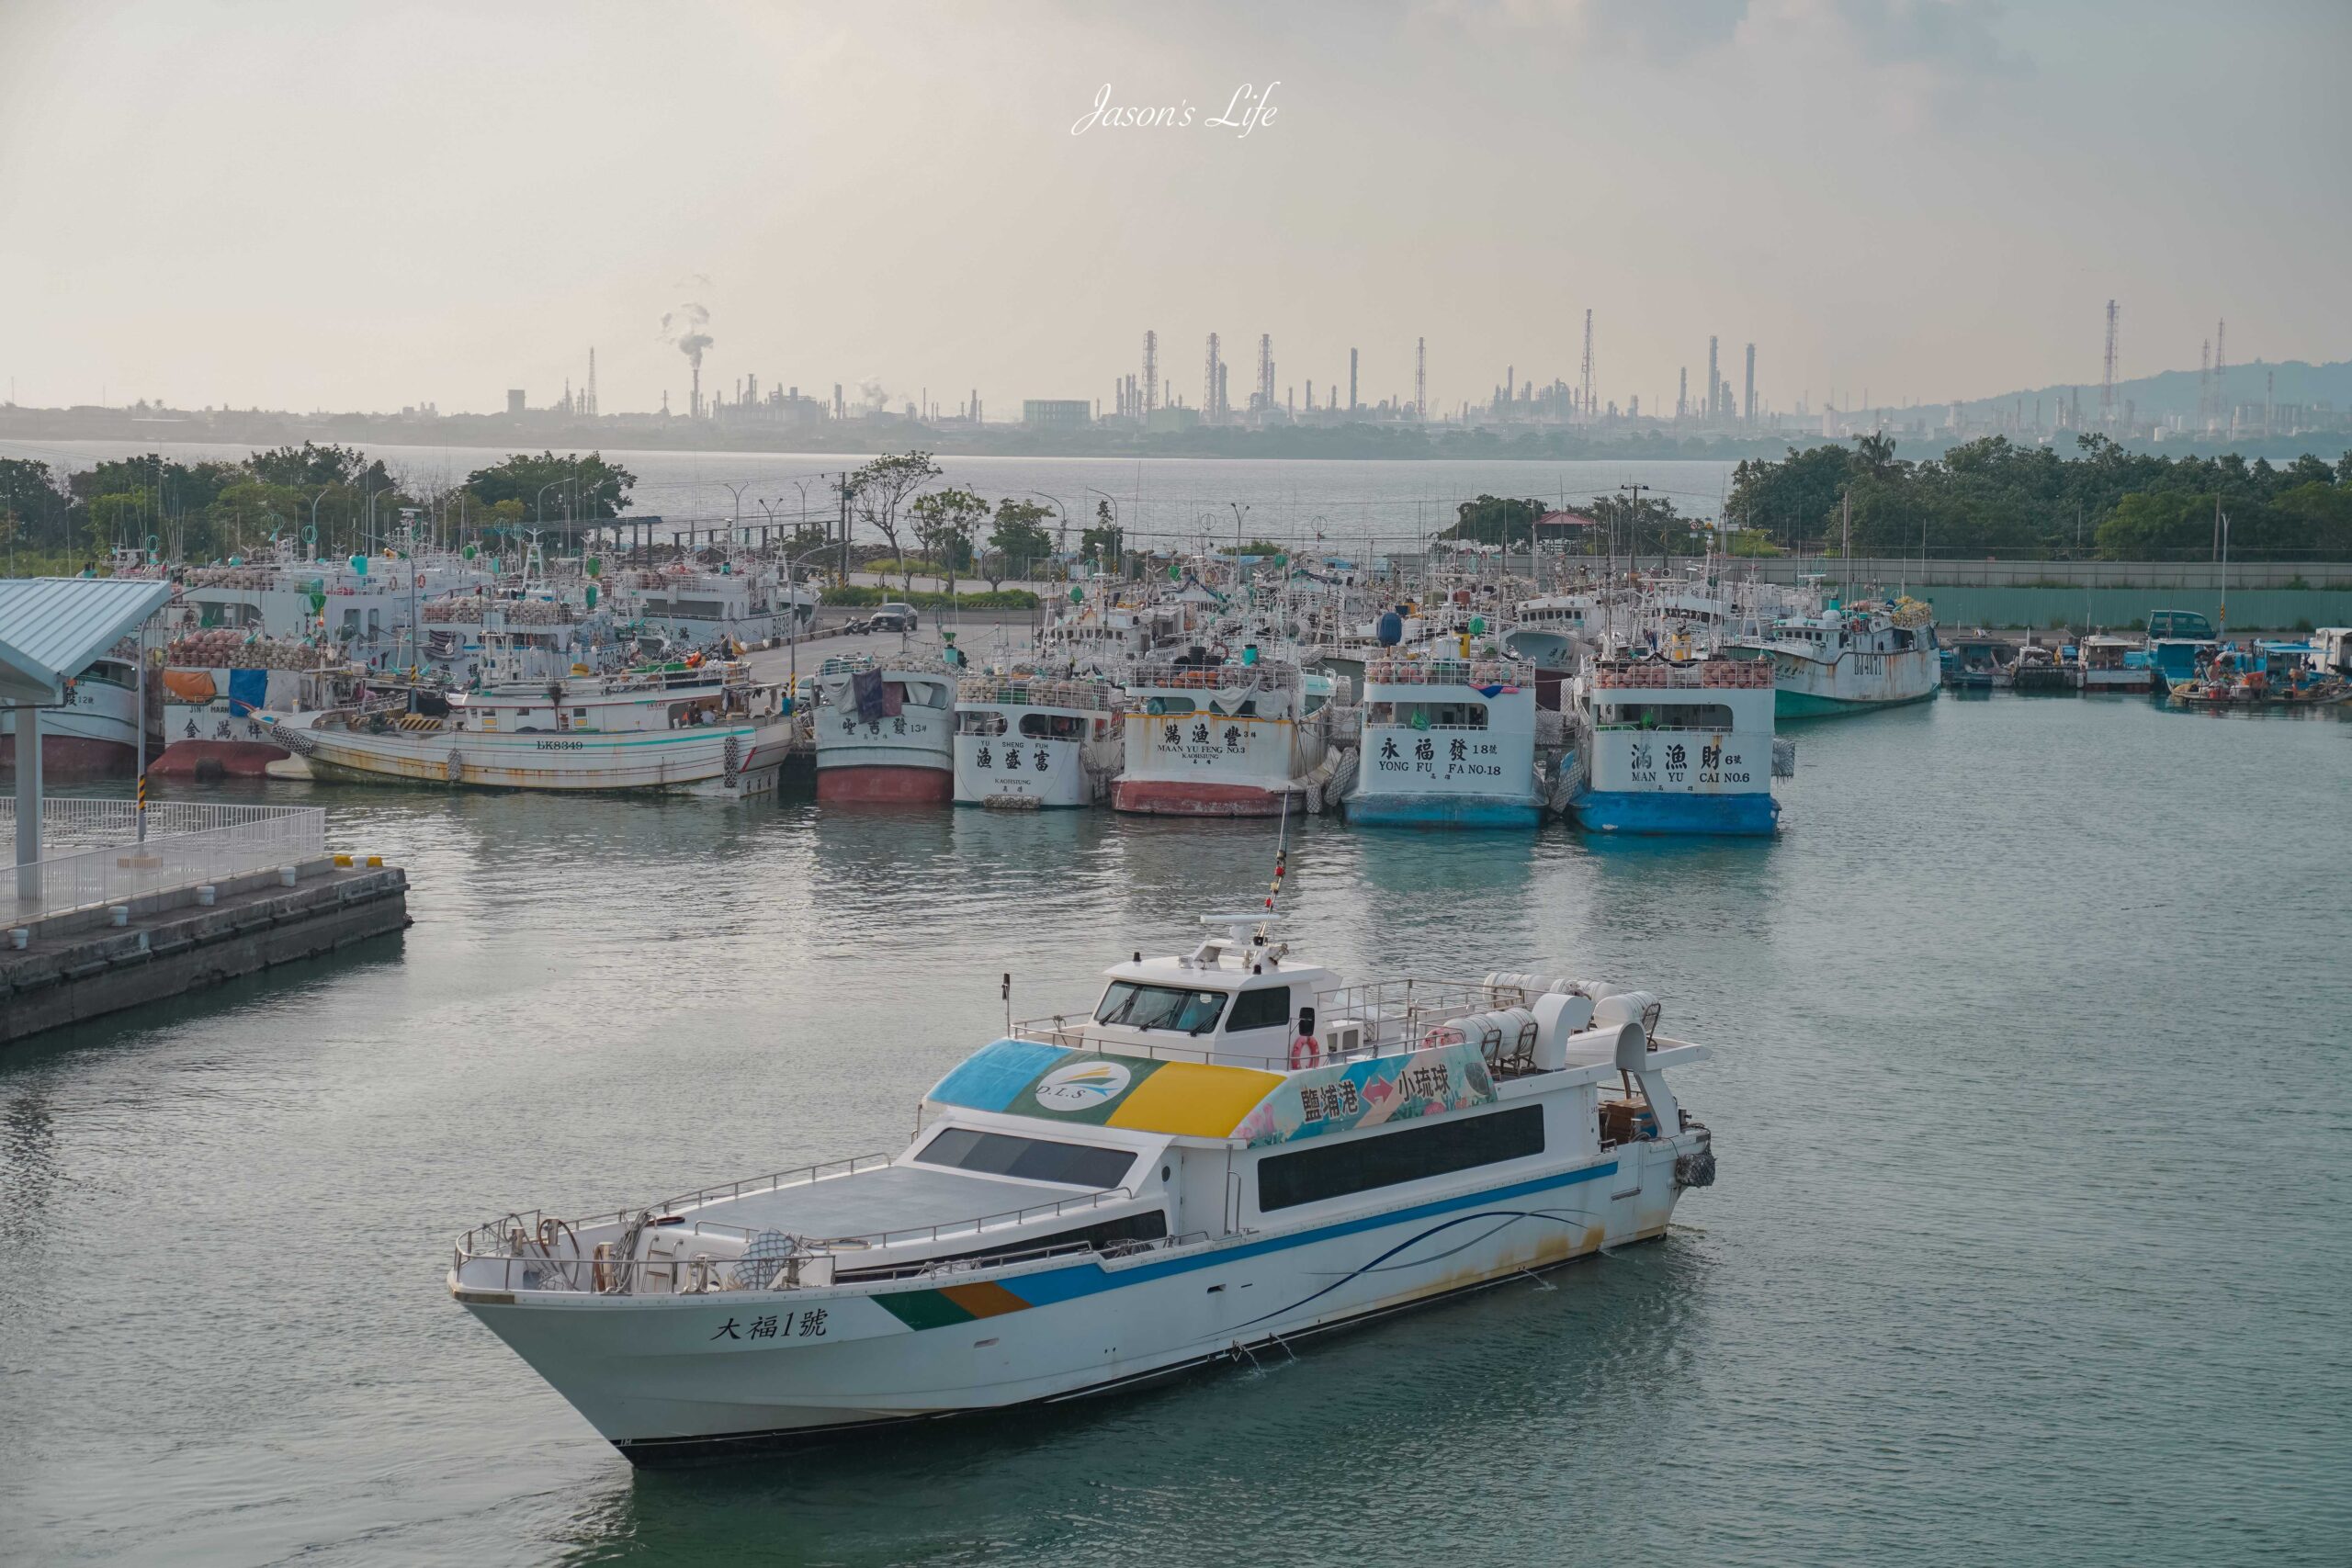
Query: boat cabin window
(1053, 727)
(1437, 1147)
(1667, 715)
(1168, 704)
(1159, 1007)
(923, 693)
(1432, 715)
(979, 721)
(1262, 1008)
(1030, 1160)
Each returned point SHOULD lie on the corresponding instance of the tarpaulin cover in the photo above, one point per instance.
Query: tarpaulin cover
(190, 685)
(875, 698)
(248, 689)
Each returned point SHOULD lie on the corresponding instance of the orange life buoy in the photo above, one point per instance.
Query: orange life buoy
(1305, 1052)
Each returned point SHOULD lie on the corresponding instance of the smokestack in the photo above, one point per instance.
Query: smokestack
(1750, 406)
(1352, 404)
(1714, 385)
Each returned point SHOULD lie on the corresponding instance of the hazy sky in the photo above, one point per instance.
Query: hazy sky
(370, 204)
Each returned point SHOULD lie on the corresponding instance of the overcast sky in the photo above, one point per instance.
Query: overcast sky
(368, 204)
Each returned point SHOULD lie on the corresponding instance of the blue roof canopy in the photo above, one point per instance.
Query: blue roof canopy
(51, 627)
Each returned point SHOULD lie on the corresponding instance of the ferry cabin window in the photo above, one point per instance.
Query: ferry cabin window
(1030, 1160)
(1437, 1147)
(1159, 1007)
(1260, 1009)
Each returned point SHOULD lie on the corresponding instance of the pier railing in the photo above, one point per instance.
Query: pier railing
(101, 860)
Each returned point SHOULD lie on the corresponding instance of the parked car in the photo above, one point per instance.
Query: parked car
(894, 617)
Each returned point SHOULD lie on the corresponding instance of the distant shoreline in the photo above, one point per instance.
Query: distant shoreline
(860, 439)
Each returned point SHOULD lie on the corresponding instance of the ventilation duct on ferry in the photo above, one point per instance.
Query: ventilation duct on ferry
(1628, 1007)
(1558, 1015)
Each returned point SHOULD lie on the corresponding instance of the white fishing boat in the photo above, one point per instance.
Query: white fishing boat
(695, 603)
(1231, 1148)
(1852, 658)
(1675, 748)
(710, 730)
(1207, 739)
(2107, 664)
(1024, 740)
(1448, 742)
(885, 731)
(221, 687)
(96, 734)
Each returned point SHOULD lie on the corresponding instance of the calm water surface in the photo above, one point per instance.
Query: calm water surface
(2032, 1105)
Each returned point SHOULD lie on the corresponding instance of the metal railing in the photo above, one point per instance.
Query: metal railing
(198, 844)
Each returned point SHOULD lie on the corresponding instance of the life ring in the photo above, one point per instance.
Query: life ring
(1306, 1052)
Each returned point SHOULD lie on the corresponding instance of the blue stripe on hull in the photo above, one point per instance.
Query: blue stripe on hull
(1639, 811)
(1444, 811)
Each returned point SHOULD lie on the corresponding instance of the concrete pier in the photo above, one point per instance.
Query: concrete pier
(84, 966)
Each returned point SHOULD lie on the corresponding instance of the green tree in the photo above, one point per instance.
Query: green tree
(946, 521)
(36, 497)
(1019, 538)
(576, 490)
(1491, 520)
(879, 491)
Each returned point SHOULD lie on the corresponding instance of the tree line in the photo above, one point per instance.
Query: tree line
(1991, 497)
(331, 499)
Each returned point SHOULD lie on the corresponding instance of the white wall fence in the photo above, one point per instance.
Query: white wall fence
(92, 856)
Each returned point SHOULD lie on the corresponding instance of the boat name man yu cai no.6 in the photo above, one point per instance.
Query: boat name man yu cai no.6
(1233, 1148)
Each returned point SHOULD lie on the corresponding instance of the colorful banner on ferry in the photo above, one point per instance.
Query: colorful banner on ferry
(1053, 1083)
(1367, 1094)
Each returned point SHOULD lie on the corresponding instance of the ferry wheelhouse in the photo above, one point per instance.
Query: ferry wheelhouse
(885, 731)
(1853, 658)
(1029, 741)
(1678, 748)
(1448, 742)
(1205, 739)
(711, 730)
(1232, 1148)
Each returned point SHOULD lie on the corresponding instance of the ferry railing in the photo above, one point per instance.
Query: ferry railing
(528, 1242)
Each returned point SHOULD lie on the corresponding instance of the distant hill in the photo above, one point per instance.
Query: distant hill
(2174, 391)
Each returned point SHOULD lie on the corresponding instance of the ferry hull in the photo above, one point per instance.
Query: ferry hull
(1638, 811)
(1192, 798)
(885, 784)
(681, 1377)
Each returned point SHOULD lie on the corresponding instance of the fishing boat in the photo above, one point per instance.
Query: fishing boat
(885, 731)
(94, 734)
(2266, 674)
(1026, 740)
(1676, 748)
(2112, 664)
(2178, 642)
(1974, 664)
(1448, 742)
(698, 604)
(220, 689)
(1850, 659)
(700, 730)
(1229, 1148)
(1209, 738)
(2038, 670)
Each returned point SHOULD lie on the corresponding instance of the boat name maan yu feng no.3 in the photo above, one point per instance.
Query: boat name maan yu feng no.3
(1234, 1147)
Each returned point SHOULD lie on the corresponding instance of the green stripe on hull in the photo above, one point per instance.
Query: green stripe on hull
(1787, 704)
(924, 1309)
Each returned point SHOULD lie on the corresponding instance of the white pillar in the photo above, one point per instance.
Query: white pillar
(28, 801)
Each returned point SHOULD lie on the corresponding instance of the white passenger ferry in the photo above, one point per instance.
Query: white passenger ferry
(1676, 748)
(885, 731)
(1233, 1148)
(1030, 741)
(710, 730)
(1448, 742)
(1209, 738)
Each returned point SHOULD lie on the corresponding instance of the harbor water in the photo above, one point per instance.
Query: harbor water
(2032, 1102)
